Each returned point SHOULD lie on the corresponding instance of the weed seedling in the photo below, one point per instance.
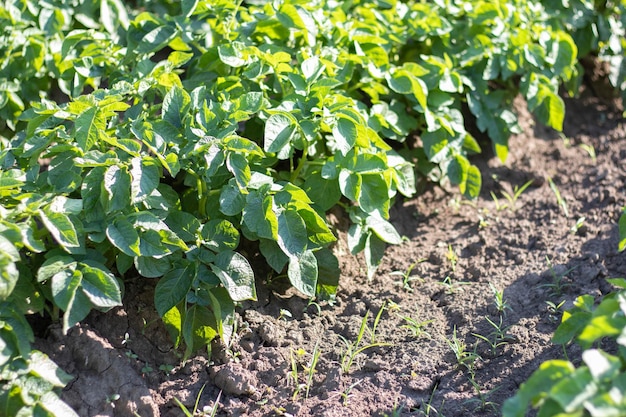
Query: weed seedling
(481, 400)
(554, 310)
(559, 199)
(206, 411)
(309, 370)
(416, 327)
(428, 407)
(558, 284)
(452, 287)
(591, 151)
(497, 338)
(464, 358)
(498, 300)
(407, 278)
(510, 197)
(353, 349)
(452, 257)
(580, 223)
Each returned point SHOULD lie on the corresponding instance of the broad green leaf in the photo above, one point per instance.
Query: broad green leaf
(51, 402)
(156, 39)
(374, 252)
(144, 179)
(220, 235)
(123, 236)
(236, 275)
(292, 233)
(350, 184)
(279, 132)
(9, 274)
(224, 312)
(173, 287)
(175, 106)
(231, 54)
(303, 273)
(232, 201)
(238, 165)
(328, 274)
(183, 224)
(67, 295)
(117, 186)
(345, 133)
(173, 320)
(324, 193)
(383, 229)
(536, 387)
(99, 285)
(317, 228)
(473, 183)
(61, 228)
(43, 367)
(89, 126)
(259, 216)
(188, 7)
(273, 254)
(374, 196)
(152, 267)
(199, 329)
(54, 265)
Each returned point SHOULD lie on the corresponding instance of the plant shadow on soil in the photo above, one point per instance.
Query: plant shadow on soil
(124, 364)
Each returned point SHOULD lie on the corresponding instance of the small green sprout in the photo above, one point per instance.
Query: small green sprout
(559, 199)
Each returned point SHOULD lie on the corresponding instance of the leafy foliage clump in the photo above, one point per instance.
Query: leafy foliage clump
(170, 140)
(594, 388)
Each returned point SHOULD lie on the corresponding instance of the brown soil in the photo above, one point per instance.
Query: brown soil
(123, 362)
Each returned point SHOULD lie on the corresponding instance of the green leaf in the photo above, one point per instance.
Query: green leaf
(122, 234)
(536, 387)
(303, 273)
(199, 329)
(232, 201)
(345, 133)
(183, 224)
(383, 229)
(89, 126)
(173, 320)
(152, 267)
(175, 106)
(324, 193)
(61, 228)
(328, 274)
(173, 288)
(292, 233)
(280, 129)
(374, 196)
(99, 285)
(374, 252)
(259, 217)
(156, 39)
(273, 254)
(220, 235)
(65, 292)
(117, 186)
(238, 165)
(9, 274)
(236, 275)
(145, 179)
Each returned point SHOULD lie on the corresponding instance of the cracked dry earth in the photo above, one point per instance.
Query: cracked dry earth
(124, 363)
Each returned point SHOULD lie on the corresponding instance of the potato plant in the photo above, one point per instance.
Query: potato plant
(160, 141)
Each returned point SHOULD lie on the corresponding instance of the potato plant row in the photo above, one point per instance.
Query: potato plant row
(158, 139)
